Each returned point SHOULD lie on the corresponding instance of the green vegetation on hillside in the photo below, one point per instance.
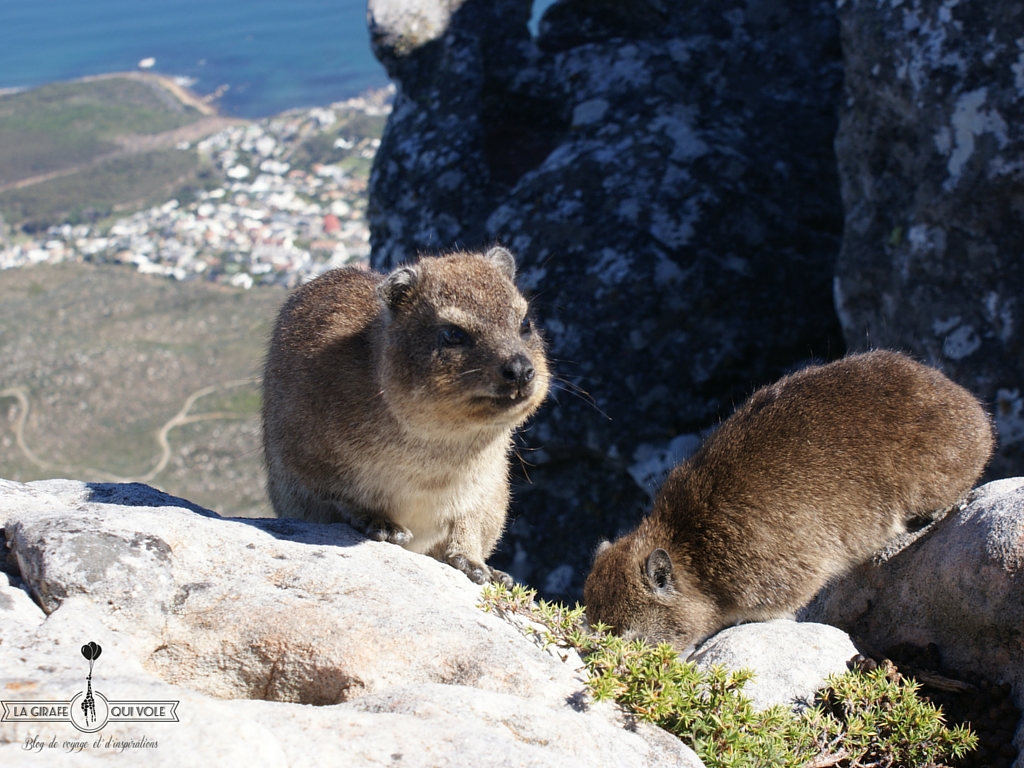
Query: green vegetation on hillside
(89, 132)
(62, 125)
(121, 183)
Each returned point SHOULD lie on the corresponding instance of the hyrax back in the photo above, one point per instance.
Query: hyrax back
(389, 402)
(806, 480)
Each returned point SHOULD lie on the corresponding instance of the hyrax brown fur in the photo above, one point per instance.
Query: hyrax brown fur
(389, 403)
(807, 479)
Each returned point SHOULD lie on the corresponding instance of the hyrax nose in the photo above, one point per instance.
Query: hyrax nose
(519, 371)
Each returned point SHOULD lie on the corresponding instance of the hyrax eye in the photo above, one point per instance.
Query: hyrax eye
(525, 327)
(452, 336)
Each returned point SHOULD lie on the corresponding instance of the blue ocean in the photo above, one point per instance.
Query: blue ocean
(272, 54)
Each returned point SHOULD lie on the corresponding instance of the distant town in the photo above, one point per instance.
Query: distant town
(268, 222)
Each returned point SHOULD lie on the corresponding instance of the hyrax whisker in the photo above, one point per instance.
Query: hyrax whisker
(565, 385)
(523, 465)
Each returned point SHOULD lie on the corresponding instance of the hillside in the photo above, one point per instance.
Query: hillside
(112, 371)
(82, 150)
(105, 358)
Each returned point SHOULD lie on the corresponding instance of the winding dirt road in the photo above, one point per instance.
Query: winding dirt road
(180, 418)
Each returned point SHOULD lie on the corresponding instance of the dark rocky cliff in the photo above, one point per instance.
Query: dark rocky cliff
(666, 178)
(931, 152)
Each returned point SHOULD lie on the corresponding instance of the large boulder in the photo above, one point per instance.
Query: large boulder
(285, 643)
(959, 583)
(931, 155)
(664, 173)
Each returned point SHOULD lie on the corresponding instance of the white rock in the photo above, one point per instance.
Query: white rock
(399, 26)
(790, 660)
(17, 611)
(248, 622)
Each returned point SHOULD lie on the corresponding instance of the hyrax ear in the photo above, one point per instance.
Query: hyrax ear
(504, 260)
(659, 569)
(601, 547)
(397, 286)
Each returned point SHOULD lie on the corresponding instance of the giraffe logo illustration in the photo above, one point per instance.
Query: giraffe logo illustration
(91, 651)
(90, 710)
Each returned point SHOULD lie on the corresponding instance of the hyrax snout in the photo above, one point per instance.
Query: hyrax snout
(389, 402)
(807, 479)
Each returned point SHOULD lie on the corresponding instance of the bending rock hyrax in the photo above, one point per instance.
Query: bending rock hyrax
(806, 480)
(389, 403)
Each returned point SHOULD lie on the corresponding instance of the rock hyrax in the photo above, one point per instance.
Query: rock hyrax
(807, 479)
(389, 403)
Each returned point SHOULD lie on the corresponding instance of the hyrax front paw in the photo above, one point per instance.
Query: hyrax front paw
(393, 534)
(479, 573)
(380, 529)
(502, 578)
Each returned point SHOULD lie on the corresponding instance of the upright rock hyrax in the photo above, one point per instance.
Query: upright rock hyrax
(809, 478)
(389, 403)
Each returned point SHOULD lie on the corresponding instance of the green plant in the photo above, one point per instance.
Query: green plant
(861, 719)
(886, 723)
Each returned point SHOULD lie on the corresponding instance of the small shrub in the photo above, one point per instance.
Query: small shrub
(861, 719)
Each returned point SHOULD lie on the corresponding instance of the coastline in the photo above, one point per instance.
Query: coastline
(188, 97)
(205, 105)
(276, 57)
